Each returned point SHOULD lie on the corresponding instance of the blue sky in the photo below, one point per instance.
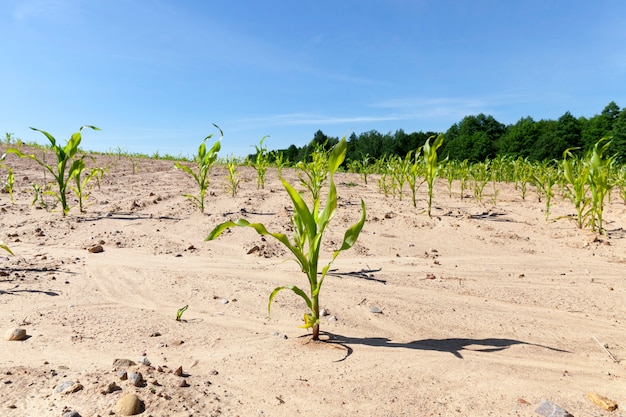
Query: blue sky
(155, 74)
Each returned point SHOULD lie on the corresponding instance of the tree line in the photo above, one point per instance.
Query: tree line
(477, 138)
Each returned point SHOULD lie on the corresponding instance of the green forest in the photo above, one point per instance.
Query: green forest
(481, 137)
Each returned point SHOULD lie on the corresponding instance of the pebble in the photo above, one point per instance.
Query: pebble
(72, 414)
(549, 409)
(122, 374)
(144, 361)
(224, 301)
(123, 362)
(375, 310)
(68, 387)
(179, 371)
(112, 387)
(128, 405)
(96, 249)
(183, 384)
(136, 379)
(15, 334)
(62, 386)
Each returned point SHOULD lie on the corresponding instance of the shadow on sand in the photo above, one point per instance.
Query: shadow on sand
(451, 345)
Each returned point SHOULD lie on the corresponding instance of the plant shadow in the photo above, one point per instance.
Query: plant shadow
(450, 345)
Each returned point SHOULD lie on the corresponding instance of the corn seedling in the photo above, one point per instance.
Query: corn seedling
(479, 172)
(232, 180)
(179, 313)
(261, 163)
(361, 166)
(576, 174)
(9, 182)
(204, 161)
(522, 175)
(314, 173)
(82, 187)
(399, 169)
(544, 178)
(414, 176)
(599, 182)
(65, 155)
(308, 229)
(431, 166)
(280, 162)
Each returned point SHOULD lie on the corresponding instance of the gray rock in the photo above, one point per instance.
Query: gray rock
(136, 379)
(72, 414)
(15, 334)
(122, 374)
(375, 310)
(128, 405)
(62, 386)
(144, 361)
(549, 409)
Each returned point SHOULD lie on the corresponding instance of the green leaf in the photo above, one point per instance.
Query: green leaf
(293, 288)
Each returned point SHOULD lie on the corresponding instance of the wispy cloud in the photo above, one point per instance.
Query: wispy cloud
(305, 119)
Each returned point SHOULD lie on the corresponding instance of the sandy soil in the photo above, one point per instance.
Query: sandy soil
(485, 310)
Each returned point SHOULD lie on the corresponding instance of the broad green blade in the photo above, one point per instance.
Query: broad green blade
(293, 288)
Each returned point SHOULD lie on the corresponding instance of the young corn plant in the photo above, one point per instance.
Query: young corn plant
(309, 224)
(314, 173)
(280, 162)
(232, 180)
(261, 163)
(599, 182)
(576, 174)
(204, 161)
(362, 166)
(10, 178)
(82, 187)
(431, 166)
(67, 162)
(544, 178)
(414, 176)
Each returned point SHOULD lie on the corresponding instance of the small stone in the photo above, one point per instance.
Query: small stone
(179, 371)
(144, 361)
(178, 342)
(375, 310)
(183, 384)
(112, 387)
(74, 388)
(549, 409)
(71, 414)
(96, 249)
(324, 312)
(122, 374)
(15, 334)
(128, 405)
(123, 363)
(62, 386)
(136, 379)
(155, 334)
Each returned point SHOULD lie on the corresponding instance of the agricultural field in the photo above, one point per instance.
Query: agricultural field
(487, 307)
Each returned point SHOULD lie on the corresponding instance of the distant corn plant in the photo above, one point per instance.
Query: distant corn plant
(261, 162)
(431, 166)
(204, 161)
(67, 162)
(309, 224)
(232, 180)
(599, 181)
(312, 174)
